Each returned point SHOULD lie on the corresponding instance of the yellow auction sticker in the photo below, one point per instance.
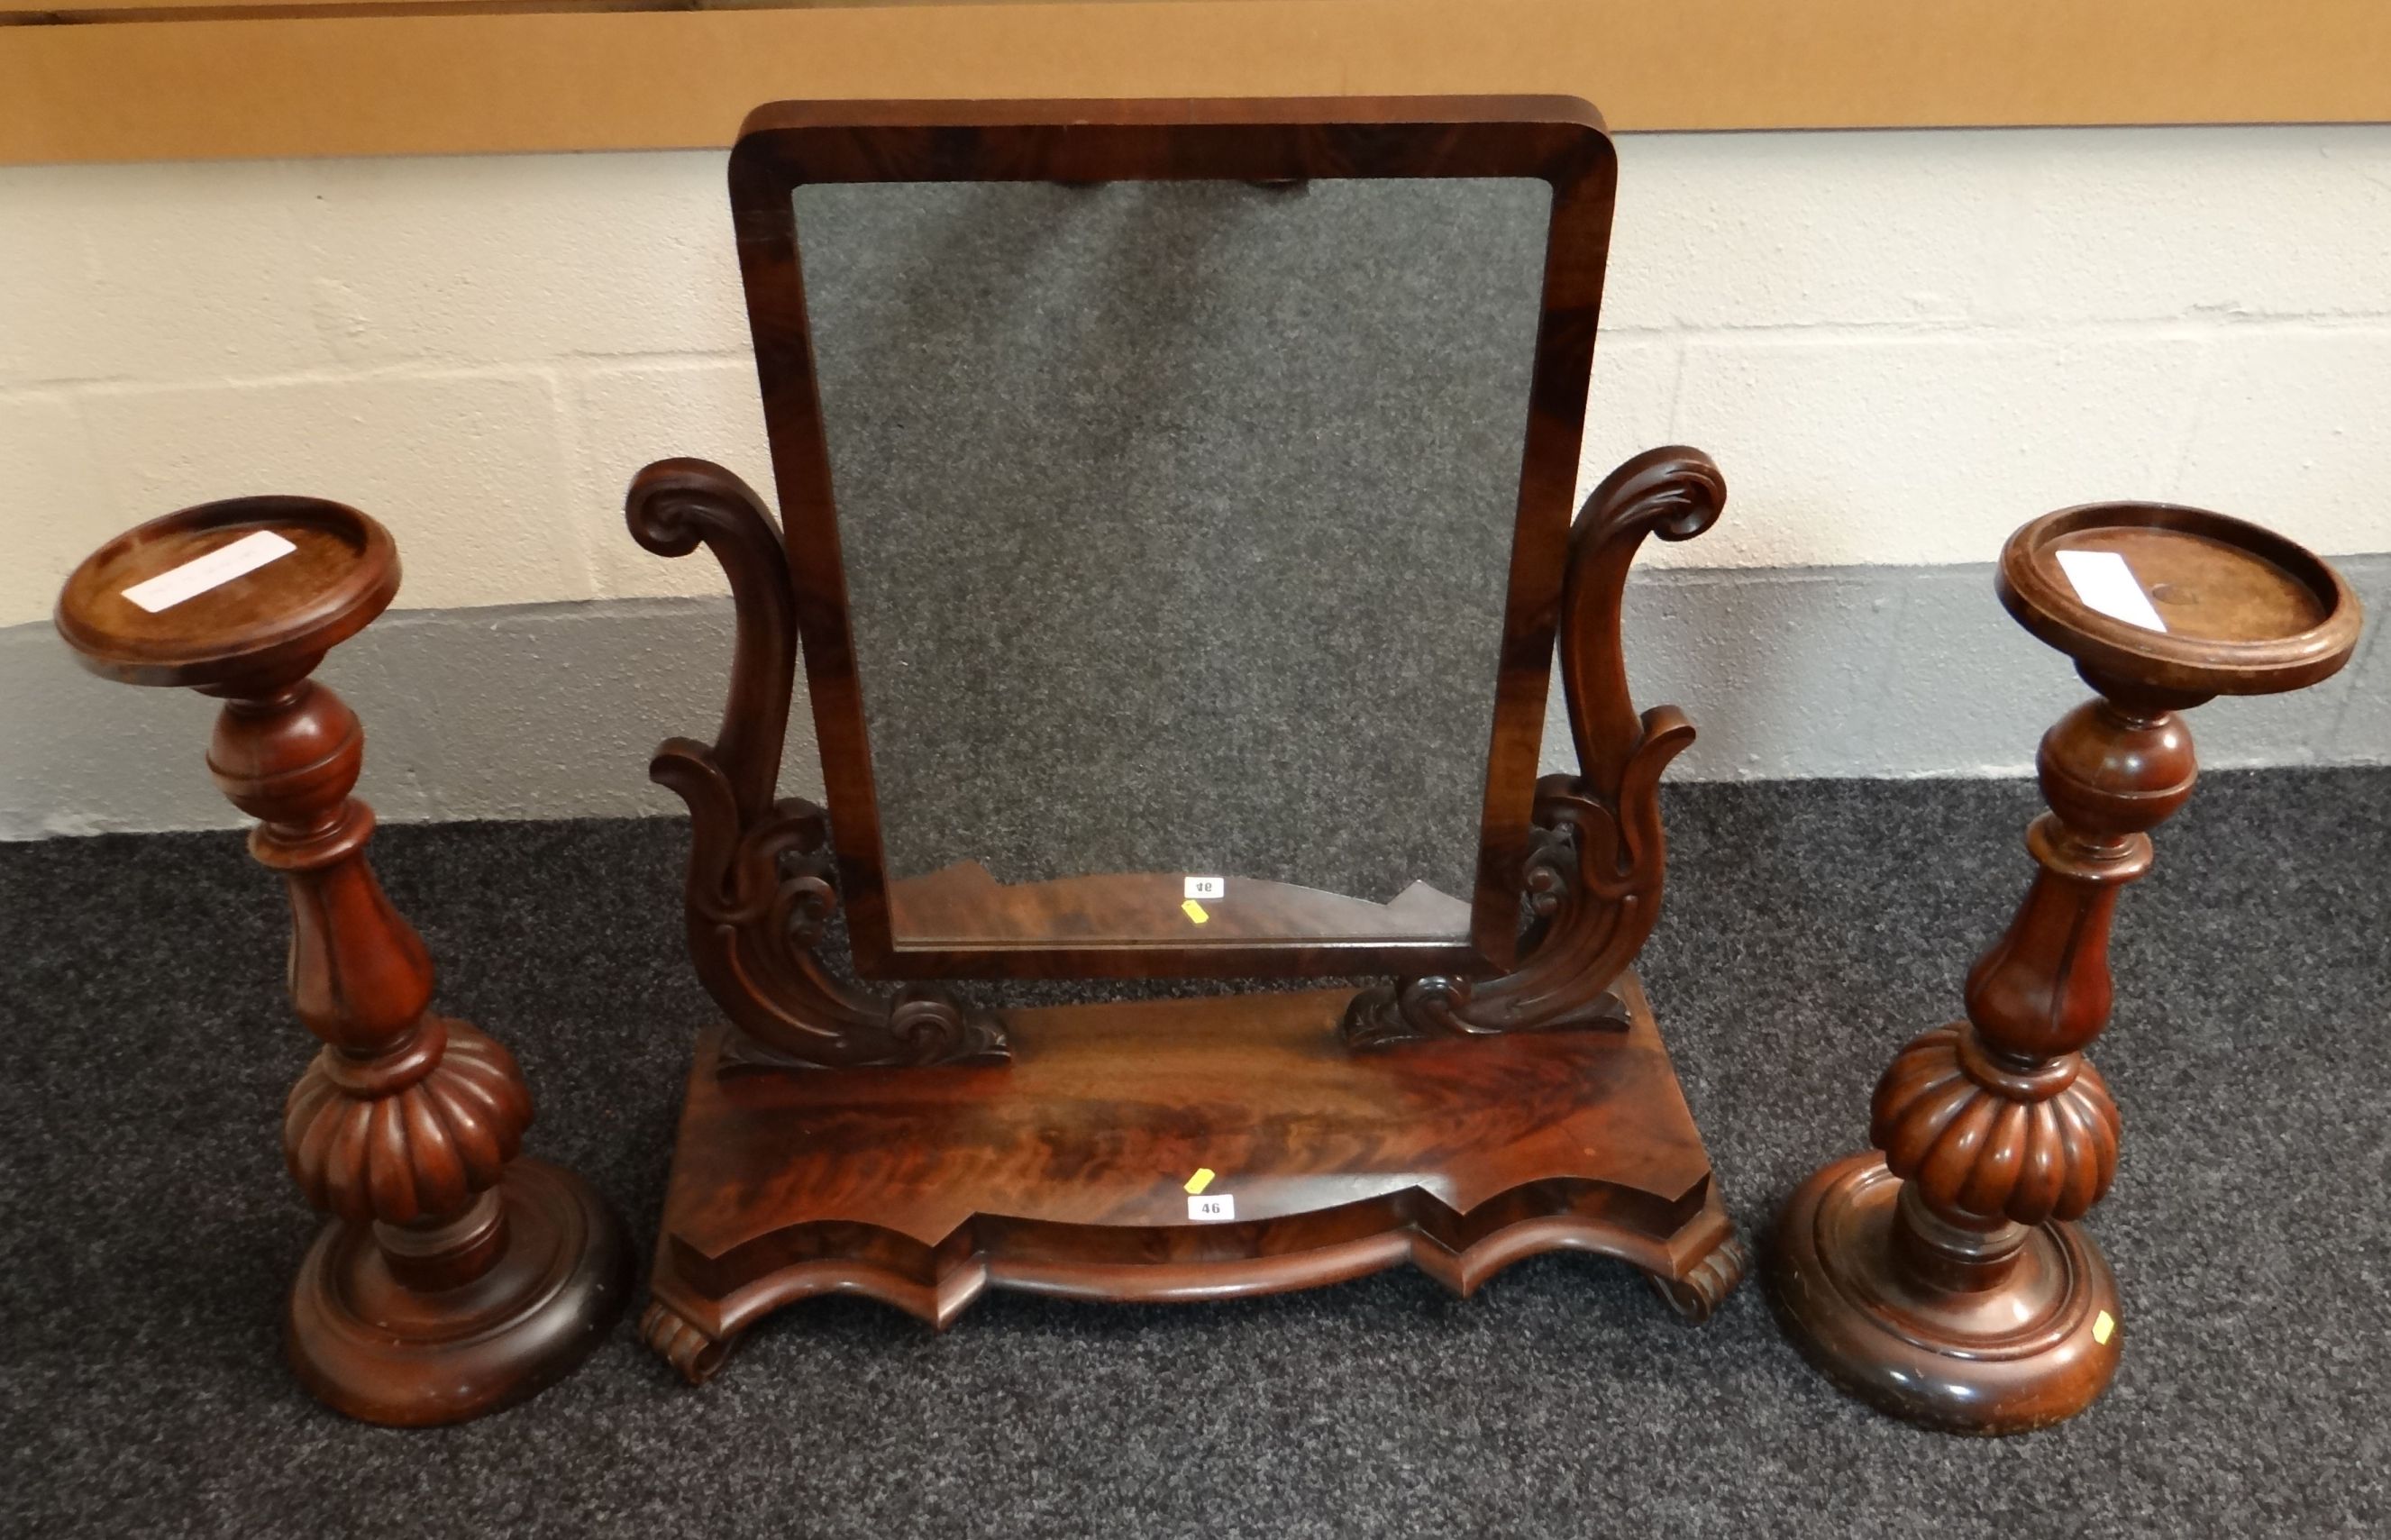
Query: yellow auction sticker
(1194, 911)
(1201, 1180)
(2104, 1326)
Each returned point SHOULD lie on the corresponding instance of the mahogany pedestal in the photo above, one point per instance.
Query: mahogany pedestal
(454, 1279)
(1944, 1278)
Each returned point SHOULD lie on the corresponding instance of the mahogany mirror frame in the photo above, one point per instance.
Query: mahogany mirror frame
(1559, 140)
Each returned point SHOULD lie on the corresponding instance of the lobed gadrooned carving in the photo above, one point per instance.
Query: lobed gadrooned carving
(419, 1150)
(2044, 1146)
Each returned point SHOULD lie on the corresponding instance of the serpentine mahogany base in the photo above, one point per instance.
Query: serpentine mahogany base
(1066, 1171)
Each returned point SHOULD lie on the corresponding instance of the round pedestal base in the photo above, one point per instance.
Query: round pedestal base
(365, 1344)
(2033, 1351)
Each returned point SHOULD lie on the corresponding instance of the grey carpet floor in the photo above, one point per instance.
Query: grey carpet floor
(147, 1229)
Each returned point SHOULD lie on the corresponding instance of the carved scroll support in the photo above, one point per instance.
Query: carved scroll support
(1593, 876)
(762, 884)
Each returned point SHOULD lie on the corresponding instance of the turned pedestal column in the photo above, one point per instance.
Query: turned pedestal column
(1943, 1278)
(454, 1279)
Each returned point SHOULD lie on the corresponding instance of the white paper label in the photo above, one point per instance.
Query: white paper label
(2101, 580)
(1207, 887)
(215, 569)
(1210, 1208)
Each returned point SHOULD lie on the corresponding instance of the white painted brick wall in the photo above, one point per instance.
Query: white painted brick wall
(472, 461)
(706, 407)
(1900, 345)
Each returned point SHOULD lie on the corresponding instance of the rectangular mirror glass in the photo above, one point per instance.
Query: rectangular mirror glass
(1176, 521)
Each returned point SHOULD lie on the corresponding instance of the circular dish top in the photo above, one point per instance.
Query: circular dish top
(308, 574)
(2246, 612)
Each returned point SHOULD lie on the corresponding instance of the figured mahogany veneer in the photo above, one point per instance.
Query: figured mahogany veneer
(965, 906)
(1943, 1279)
(1066, 1171)
(1503, 1092)
(454, 1279)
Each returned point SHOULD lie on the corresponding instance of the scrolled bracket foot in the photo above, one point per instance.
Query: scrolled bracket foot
(695, 1355)
(1697, 1293)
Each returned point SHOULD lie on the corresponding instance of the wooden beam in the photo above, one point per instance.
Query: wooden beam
(456, 76)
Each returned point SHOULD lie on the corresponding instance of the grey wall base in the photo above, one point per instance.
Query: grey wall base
(552, 710)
